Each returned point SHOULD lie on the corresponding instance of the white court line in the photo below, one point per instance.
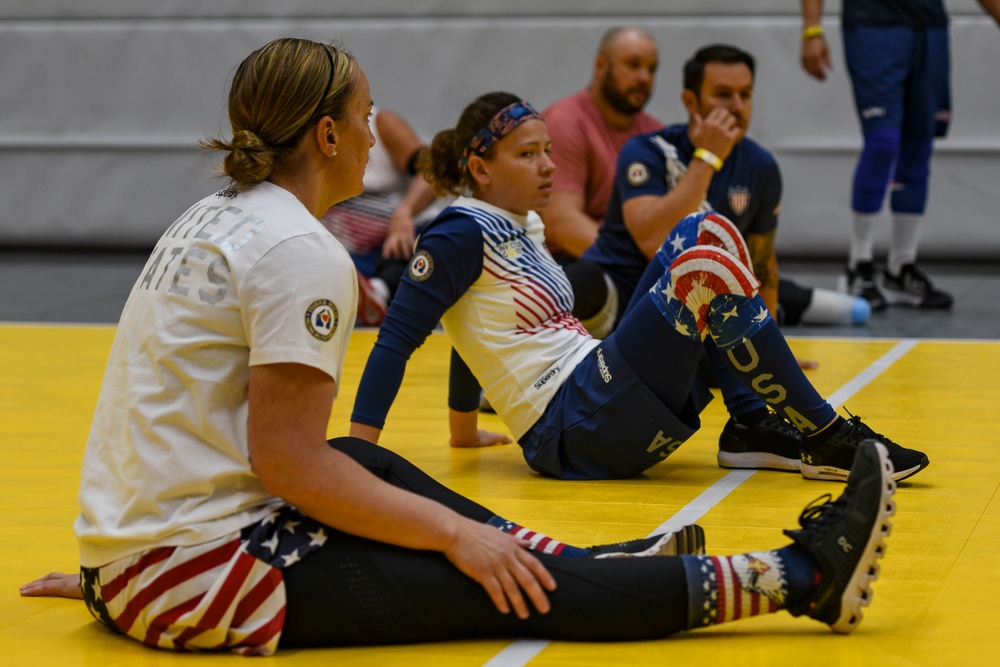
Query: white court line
(518, 653)
(839, 397)
(708, 499)
(522, 651)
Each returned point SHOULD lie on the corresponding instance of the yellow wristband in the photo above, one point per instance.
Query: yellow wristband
(709, 157)
(812, 31)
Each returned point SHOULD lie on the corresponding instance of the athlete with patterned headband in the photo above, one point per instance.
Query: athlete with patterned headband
(580, 408)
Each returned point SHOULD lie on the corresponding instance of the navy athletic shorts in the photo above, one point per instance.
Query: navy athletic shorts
(605, 423)
(901, 78)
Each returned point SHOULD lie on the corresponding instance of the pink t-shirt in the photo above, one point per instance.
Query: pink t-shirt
(585, 148)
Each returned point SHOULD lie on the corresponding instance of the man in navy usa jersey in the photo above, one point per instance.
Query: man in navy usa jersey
(706, 164)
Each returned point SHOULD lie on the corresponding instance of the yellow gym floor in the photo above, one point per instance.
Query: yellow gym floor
(936, 602)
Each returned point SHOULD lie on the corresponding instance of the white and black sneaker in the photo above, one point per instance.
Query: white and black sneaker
(912, 287)
(832, 458)
(685, 541)
(846, 538)
(861, 281)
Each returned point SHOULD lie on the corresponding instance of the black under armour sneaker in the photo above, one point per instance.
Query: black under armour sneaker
(685, 541)
(846, 538)
(832, 459)
(771, 444)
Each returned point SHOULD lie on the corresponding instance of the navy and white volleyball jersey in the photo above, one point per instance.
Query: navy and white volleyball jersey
(503, 301)
(747, 190)
(912, 13)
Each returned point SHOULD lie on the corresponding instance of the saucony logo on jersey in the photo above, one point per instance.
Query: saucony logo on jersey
(602, 366)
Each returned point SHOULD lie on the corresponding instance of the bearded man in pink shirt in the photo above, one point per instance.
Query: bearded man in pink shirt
(589, 128)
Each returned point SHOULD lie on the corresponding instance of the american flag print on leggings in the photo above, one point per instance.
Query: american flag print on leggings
(226, 594)
(704, 228)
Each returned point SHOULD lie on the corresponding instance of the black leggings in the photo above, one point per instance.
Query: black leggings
(355, 591)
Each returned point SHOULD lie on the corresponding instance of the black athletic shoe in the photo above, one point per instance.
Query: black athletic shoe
(860, 281)
(846, 538)
(832, 459)
(912, 287)
(685, 541)
(772, 444)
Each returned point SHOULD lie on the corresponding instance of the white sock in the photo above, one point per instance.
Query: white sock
(829, 307)
(905, 239)
(862, 239)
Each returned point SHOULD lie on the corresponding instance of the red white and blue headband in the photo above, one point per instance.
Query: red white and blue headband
(502, 124)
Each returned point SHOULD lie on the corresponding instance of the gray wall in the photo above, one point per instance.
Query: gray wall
(103, 100)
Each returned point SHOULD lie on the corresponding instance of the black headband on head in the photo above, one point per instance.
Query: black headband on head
(329, 82)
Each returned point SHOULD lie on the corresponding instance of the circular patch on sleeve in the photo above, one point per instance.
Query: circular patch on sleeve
(421, 266)
(322, 319)
(638, 173)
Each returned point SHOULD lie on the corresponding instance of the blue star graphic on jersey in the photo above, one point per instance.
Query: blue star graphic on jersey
(731, 313)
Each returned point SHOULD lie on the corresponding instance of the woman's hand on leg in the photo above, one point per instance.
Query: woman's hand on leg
(503, 566)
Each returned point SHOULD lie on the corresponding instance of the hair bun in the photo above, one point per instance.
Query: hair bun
(247, 141)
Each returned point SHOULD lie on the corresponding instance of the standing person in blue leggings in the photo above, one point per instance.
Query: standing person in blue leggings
(899, 64)
(580, 408)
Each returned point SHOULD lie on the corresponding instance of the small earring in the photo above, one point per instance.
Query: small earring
(333, 153)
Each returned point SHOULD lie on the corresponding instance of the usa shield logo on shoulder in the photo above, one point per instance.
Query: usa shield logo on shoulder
(739, 199)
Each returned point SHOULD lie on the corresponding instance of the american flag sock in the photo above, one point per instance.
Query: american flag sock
(727, 588)
(539, 542)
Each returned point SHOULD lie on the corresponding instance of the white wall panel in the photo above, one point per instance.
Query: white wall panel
(104, 101)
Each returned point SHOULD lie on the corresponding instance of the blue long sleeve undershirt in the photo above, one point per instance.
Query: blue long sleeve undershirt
(455, 245)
